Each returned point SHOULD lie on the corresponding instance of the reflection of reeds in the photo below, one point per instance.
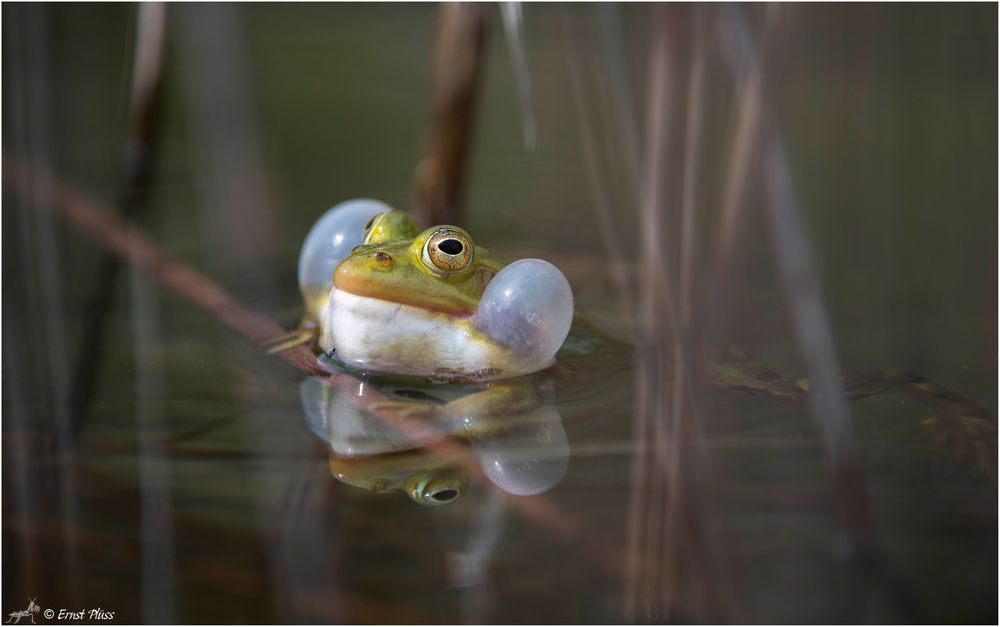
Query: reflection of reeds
(671, 571)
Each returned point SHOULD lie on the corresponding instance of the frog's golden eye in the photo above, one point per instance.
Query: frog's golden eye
(448, 249)
(436, 489)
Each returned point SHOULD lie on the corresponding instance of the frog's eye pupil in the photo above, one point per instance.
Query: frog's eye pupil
(445, 495)
(451, 247)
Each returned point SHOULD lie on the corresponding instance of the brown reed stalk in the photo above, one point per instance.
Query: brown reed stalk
(459, 53)
(147, 73)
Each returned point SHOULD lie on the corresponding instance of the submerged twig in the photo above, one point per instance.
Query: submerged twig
(960, 426)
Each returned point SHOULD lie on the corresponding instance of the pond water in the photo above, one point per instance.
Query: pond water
(169, 472)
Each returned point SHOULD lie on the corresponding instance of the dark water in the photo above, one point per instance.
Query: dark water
(189, 487)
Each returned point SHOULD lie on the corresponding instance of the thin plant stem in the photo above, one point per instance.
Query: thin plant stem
(458, 67)
(147, 72)
(602, 203)
(513, 27)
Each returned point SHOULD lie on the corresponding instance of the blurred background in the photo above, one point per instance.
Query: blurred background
(815, 185)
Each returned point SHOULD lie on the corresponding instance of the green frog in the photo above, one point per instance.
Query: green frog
(383, 296)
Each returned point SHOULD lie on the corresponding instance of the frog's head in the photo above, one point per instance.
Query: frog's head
(440, 270)
(418, 473)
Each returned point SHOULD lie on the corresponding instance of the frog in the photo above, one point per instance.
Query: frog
(383, 296)
(427, 337)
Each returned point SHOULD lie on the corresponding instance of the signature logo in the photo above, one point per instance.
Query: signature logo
(32, 609)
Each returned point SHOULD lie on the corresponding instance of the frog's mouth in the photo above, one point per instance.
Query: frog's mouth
(380, 276)
(516, 327)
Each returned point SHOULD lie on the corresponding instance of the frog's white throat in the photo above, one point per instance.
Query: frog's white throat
(373, 334)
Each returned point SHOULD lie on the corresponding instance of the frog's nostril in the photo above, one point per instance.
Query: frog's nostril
(384, 260)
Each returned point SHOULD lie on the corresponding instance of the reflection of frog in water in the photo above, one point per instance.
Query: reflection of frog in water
(392, 434)
(384, 297)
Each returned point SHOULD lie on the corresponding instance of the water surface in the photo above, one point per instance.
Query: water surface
(189, 488)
